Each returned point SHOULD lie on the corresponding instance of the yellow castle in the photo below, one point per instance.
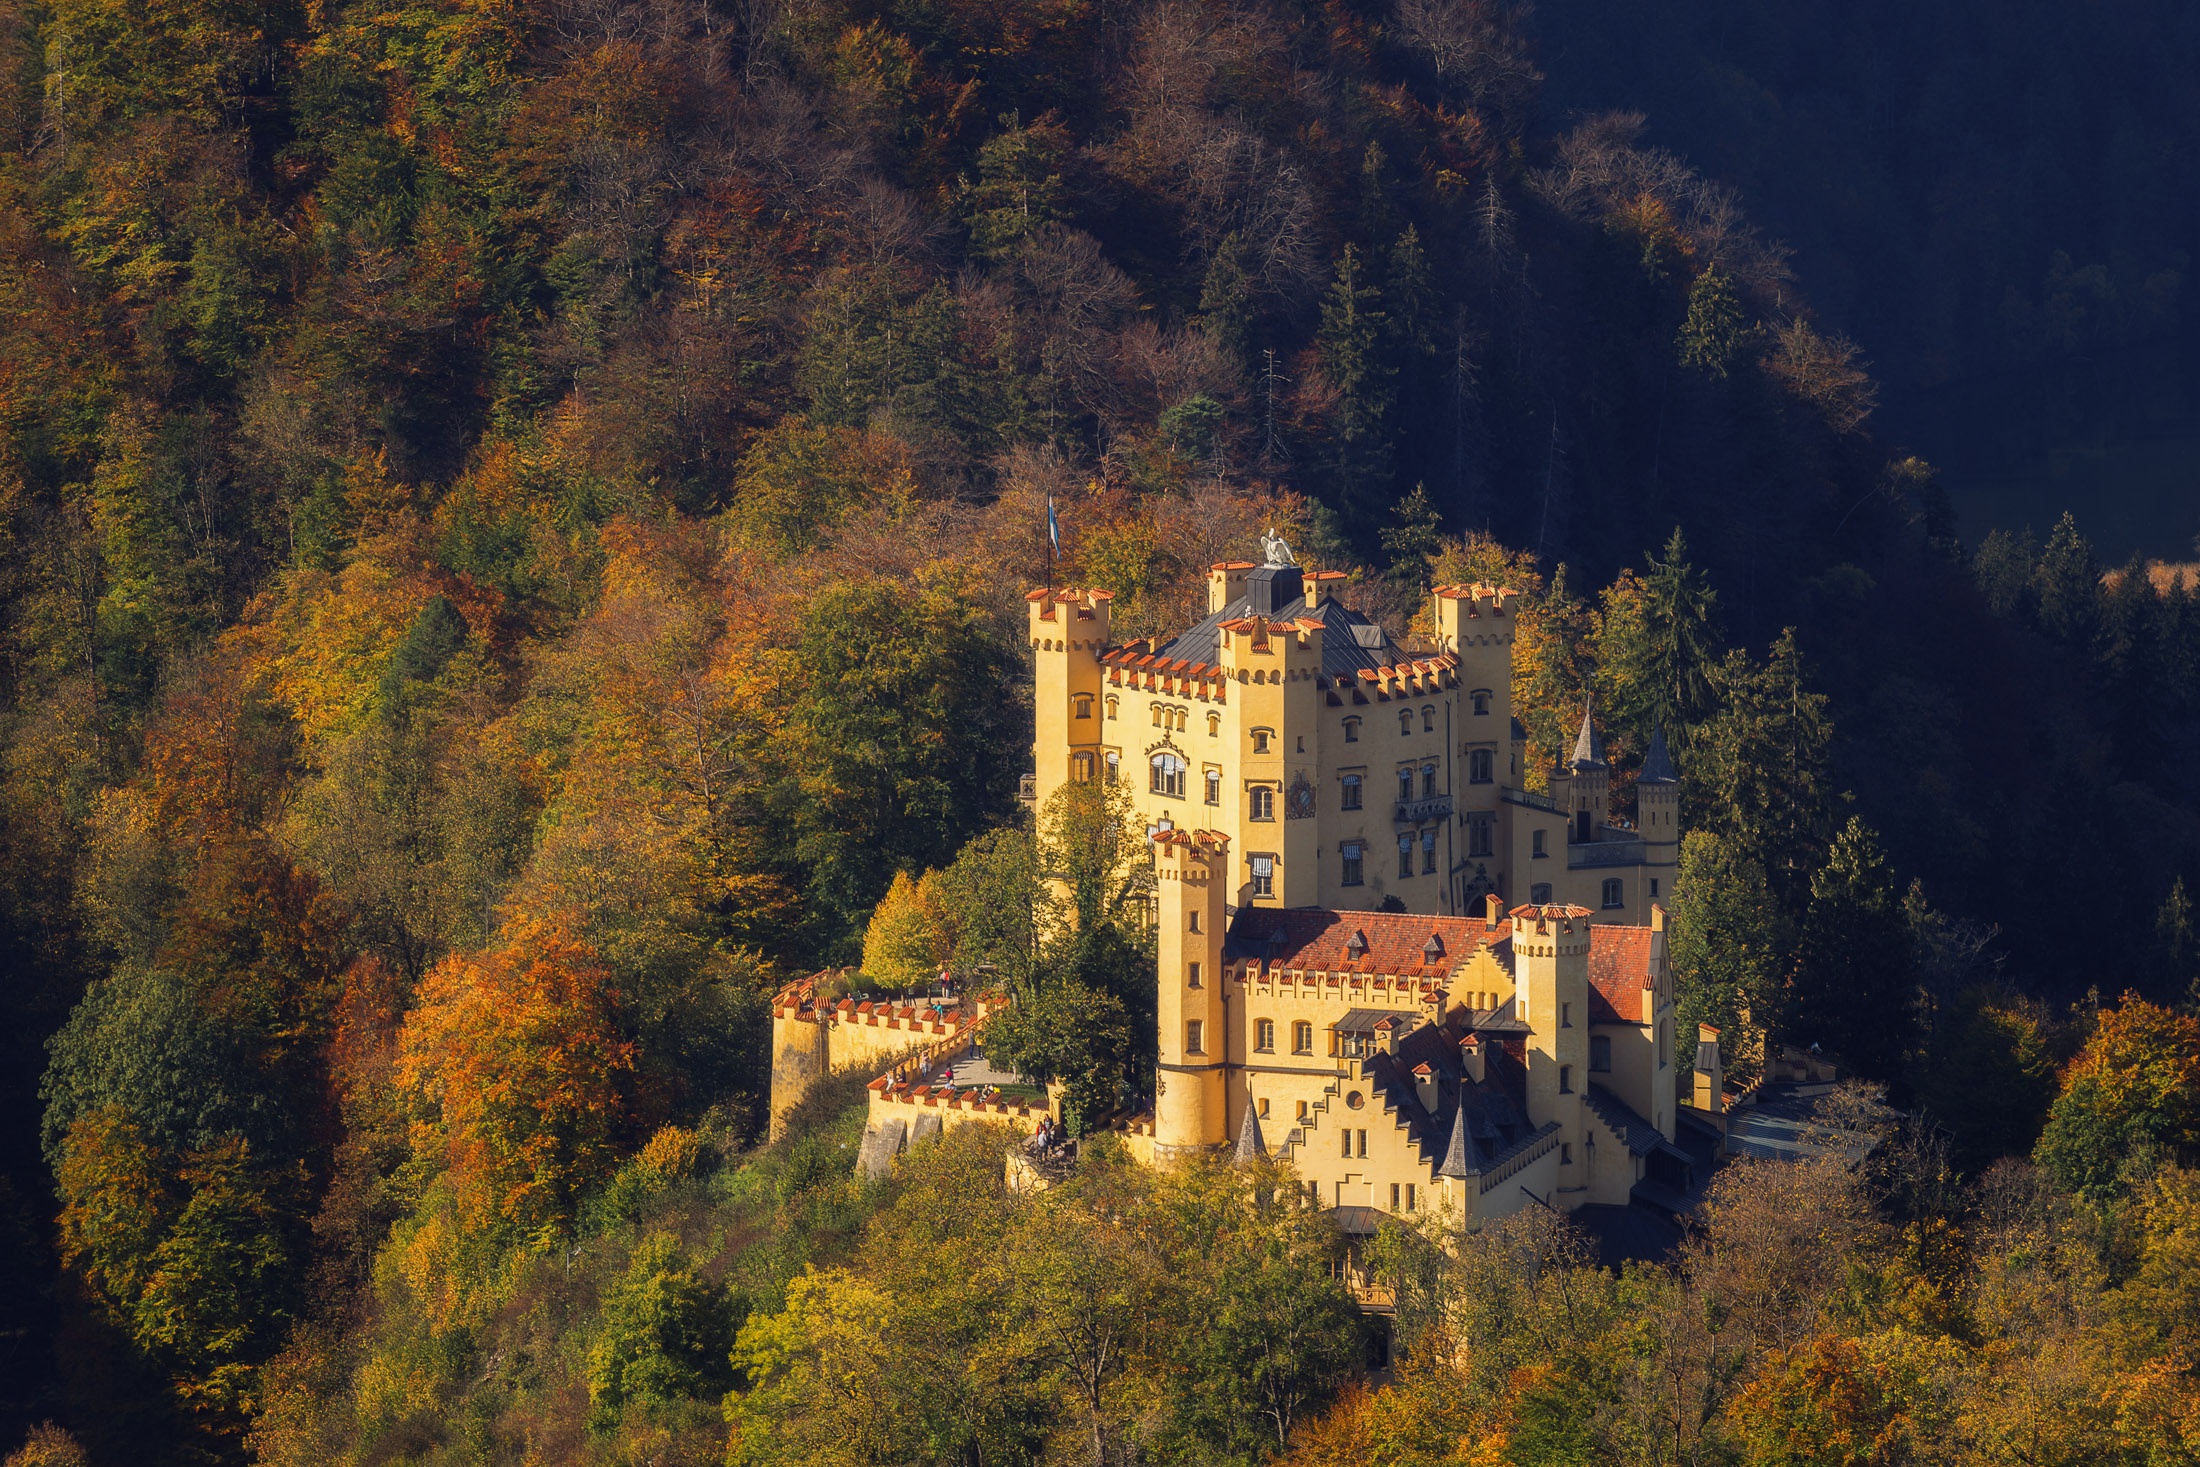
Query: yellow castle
(1347, 770)
(1382, 958)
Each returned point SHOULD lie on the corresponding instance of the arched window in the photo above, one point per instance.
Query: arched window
(1428, 851)
(1168, 775)
(1428, 781)
(1214, 786)
(1115, 766)
(1082, 767)
(1111, 705)
(1615, 892)
(1214, 725)
(1428, 720)
(1263, 803)
(1481, 697)
(1479, 766)
(1082, 705)
(1405, 854)
(1158, 715)
(1405, 721)
(1405, 783)
(1351, 800)
(1352, 730)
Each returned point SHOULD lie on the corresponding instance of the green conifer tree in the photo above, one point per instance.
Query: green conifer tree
(1717, 329)
(1855, 980)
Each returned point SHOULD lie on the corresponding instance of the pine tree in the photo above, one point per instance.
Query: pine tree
(1657, 644)
(1762, 768)
(1717, 330)
(1854, 988)
(1355, 357)
(1729, 946)
(2068, 583)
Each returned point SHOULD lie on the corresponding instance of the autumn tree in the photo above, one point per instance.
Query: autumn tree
(2127, 1103)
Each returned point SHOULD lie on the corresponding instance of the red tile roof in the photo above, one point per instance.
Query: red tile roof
(1316, 938)
(1619, 972)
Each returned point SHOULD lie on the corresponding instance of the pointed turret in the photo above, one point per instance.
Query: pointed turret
(1250, 1145)
(1589, 747)
(1657, 765)
(1456, 1159)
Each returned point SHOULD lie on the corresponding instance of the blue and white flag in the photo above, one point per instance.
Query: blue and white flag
(1054, 528)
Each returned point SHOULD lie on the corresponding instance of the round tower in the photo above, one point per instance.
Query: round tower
(1191, 875)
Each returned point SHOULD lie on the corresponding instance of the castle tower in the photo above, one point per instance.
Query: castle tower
(1475, 624)
(1270, 668)
(1550, 947)
(1192, 876)
(1590, 784)
(1658, 803)
(1068, 631)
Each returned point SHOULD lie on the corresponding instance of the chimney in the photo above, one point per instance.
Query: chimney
(1493, 909)
(1424, 1085)
(1470, 1058)
(1710, 1093)
(1657, 917)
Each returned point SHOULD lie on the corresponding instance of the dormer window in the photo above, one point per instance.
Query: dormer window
(1081, 705)
(1433, 949)
(1356, 949)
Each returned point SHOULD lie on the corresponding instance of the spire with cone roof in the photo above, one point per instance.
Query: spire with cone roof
(1250, 1146)
(1657, 765)
(1456, 1162)
(1589, 747)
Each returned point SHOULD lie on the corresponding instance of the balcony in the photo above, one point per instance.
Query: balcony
(1417, 812)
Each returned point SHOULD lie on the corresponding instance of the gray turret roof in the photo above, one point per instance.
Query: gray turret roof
(1250, 1145)
(1457, 1157)
(1657, 765)
(1589, 747)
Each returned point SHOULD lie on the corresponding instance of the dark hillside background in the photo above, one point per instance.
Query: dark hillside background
(1993, 199)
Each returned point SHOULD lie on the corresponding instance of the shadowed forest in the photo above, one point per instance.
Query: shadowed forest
(514, 522)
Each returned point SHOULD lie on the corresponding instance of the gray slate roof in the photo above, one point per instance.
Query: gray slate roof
(1349, 640)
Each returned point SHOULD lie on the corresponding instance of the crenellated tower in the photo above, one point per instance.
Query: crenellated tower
(1550, 948)
(1270, 666)
(1069, 630)
(1191, 1107)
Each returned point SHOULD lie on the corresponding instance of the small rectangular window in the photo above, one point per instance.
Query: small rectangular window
(1540, 893)
(1615, 893)
(1264, 875)
(1405, 784)
(1428, 781)
(1565, 1011)
(1428, 852)
(1479, 766)
(1192, 1037)
(1355, 862)
(1264, 1110)
(1348, 1145)
(1536, 845)
(1405, 855)
(1352, 730)
(1600, 1054)
(1653, 888)
(1412, 1203)
(1363, 1145)
(1395, 1189)
(1262, 803)
(1264, 1036)
(1260, 740)
(1565, 1077)
(1302, 1110)
(1191, 975)
(1481, 833)
(1351, 798)
(1302, 1039)
(1565, 1154)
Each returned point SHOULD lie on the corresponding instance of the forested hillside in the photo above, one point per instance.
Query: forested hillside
(516, 525)
(1983, 194)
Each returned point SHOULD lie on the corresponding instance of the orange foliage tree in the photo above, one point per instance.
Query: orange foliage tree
(520, 1075)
